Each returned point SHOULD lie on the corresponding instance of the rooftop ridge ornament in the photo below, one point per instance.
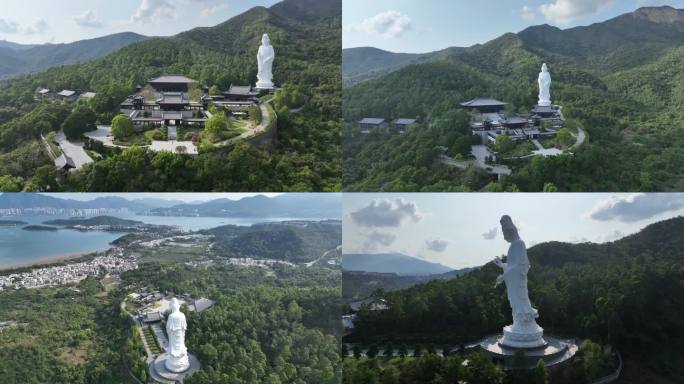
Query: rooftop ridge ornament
(265, 58)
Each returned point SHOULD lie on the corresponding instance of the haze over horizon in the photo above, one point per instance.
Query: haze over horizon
(462, 230)
(431, 25)
(68, 21)
(172, 196)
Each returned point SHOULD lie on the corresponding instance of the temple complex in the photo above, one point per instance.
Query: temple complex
(490, 117)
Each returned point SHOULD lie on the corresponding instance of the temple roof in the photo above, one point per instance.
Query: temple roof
(483, 102)
(67, 93)
(240, 90)
(405, 121)
(172, 79)
(372, 121)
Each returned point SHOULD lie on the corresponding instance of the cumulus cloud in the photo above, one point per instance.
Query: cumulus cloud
(39, 26)
(8, 26)
(491, 234)
(527, 13)
(636, 207)
(150, 9)
(377, 239)
(89, 19)
(214, 9)
(386, 213)
(386, 24)
(565, 11)
(436, 245)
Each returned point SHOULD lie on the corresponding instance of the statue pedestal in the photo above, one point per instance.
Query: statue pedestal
(523, 337)
(554, 351)
(177, 365)
(162, 374)
(265, 85)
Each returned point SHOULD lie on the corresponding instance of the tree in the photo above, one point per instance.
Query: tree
(10, 184)
(82, 119)
(372, 351)
(565, 138)
(255, 115)
(214, 90)
(550, 187)
(45, 180)
(504, 145)
(122, 127)
(540, 375)
(216, 125)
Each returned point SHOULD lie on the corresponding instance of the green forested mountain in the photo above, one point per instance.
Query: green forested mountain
(18, 59)
(617, 80)
(627, 294)
(307, 154)
(290, 241)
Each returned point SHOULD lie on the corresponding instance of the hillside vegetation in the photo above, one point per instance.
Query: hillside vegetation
(621, 86)
(306, 157)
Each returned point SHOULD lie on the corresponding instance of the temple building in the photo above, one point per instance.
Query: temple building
(484, 105)
(171, 106)
(489, 118)
(237, 100)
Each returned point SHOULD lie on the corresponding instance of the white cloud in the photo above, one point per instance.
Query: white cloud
(8, 26)
(206, 12)
(39, 26)
(150, 9)
(565, 11)
(387, 24)
(527, 13)
(436, 245)
(377, 239)
(491, 234)
(636, 207)
(89, 19)
(386, 213)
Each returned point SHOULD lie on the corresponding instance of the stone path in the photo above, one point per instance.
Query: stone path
(581, 137)
(265, 122)
(161, 337)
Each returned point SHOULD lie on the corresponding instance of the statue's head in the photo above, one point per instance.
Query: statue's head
(175, 305)
(545, 68)
(265, 40)
(510, 232)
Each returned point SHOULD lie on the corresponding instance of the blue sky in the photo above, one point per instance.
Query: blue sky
(429, 25)
(60, 21)
(462, 230)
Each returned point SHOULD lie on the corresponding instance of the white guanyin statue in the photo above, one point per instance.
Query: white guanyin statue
(176, 326)
(265, 59)
(524, 332)
(544, 81)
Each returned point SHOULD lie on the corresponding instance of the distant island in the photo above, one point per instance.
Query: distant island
(99, 220)
(35, 227)
(12, 223)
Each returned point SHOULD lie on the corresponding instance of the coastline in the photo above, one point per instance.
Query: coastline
(46, 261)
